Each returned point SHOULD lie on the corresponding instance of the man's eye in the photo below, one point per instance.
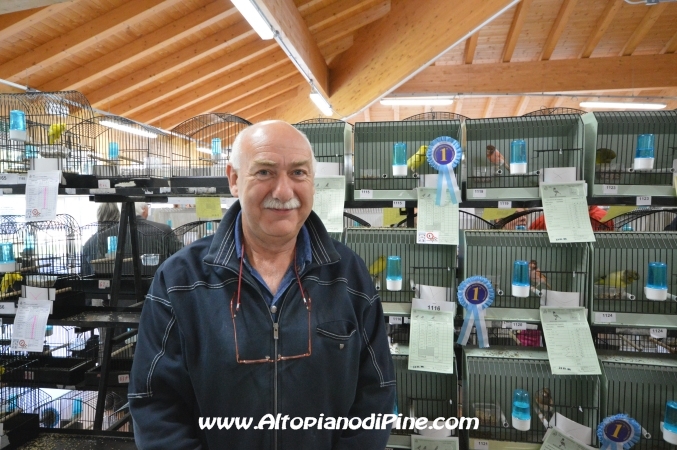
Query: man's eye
(299, 173)
(263, 172)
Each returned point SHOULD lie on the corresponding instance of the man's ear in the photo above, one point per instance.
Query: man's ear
(232, 175)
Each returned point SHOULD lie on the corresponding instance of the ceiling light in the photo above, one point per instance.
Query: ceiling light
(616, 105)
(128, 129)
(252, 14)
(321, 103)
(417, 101)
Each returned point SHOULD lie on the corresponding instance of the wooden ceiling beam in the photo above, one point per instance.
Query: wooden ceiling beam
(292, 30)
(367, 115)
(11, 6)
(81, 37)
(671, 45)
(11, 24)
(556, 31)
(269, 104)
(470, 47)
(334, 48)
(589, 74)
(352, 24)
(172, 62)
(336, 12)
(515, 29)
(202, 74)
(254, 75)
(648, 21)
(612, 7)
(489, 107)
(521, 106)
(457, 106)
(145, 45)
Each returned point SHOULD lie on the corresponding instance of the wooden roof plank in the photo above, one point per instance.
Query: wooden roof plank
(352, 24)
(11, 24)
(268, 104)
(11, 6)
(565, 11)
(335, 48)
(603, 23)
(671, 45)
(521, 106)
(470, 47)
(147, 44)
(335, 12)
(489, 107)
(648, 21)
(515, 29)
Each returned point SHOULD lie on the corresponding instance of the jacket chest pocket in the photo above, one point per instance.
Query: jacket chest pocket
(338, 334)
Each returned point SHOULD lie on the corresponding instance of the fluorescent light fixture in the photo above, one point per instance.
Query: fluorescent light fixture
(128, 129)
(321, 103)
(204, 150)
(255, 18)
(617, 105)
(417, 101)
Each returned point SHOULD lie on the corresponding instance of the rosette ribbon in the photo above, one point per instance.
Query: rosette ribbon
(619, 432)
(475, 294)
(444, 154)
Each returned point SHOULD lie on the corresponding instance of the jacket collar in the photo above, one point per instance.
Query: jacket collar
(222, 249)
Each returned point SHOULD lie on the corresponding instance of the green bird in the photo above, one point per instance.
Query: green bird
(618, 280)
(604, 156)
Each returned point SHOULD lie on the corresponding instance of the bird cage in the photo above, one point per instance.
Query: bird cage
(188, 233)
(203, 143)
(637, 340)
(375, 144)
(331, 140)
(11, 248)
(424, 394)
(553, 111)
(532, 336)
(640, 386)
(121, 149)
(116, 407)
(435, 115)
(633, 153)
(508, 156)
(14, 152)
(534, 219)
(421, 265)
(73, 411)
(558, 273)
(469, 221)
(491, 378)
(624, 287)
(51, 143)
(647, 219)
(17, 400)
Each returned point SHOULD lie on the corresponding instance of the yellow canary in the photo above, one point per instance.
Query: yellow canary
(377, 266)
(604, 156)
(8, 281)
(618, 279)
(55, 132)
(418, 158)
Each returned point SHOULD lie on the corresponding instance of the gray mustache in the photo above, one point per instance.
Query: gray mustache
(273, 203)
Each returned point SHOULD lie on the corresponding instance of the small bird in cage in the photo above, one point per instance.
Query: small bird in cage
(544, 401)
(535, 276)
(496, 158)
(8, 281)
(619, 280)
(604, 156)
(375, 270)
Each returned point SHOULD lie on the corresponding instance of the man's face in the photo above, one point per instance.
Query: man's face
(274, 183)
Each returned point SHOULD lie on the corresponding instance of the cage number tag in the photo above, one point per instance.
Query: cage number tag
(605, 317)
(123, 379)
(165, 190)
(505, 205)
(395, 320)
(481, 445)
(104, 184)
(610, 189)
(518, 325)
(643, 201)
(366, 193)
(658, 333)
(103, 284)
(70, 191)
(398, 204)
(479, 193)
(9, 178)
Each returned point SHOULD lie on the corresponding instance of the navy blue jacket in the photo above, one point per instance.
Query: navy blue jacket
(185, 363)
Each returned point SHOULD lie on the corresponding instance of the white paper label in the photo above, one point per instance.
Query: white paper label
(428, 237)
(644, 201)
(123, 379)
(659, 333)
(366, 193)
(165, 190)
(518, 325)
(8, 178)
(70, 191)
(7, 308)
(504, 205)
(398, 204)
(610, 189)
(103, 184)
(103, 284)
(479, 193)
(102, 191)
(481, 445)
(407, 320)
(7, 191)
(605, 317)
(395, 320)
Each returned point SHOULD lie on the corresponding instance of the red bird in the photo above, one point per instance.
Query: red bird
(535, 275)
(495, 157)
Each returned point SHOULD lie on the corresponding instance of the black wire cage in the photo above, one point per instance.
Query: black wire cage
(202, 144)
(190, 232)
(553, 111)
(119, 148)
(73, 411)
(332, 141)
(647, 219)
(14, 151)
(377, 176)
(633, 154)
(508, 156)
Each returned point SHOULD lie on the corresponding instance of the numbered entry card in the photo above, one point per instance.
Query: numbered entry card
(566, 212)
(430, 443)
(431, 336)
(436, 224)
(571, 350)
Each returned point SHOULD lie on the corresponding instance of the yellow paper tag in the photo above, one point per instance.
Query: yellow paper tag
(208, 207)
(495, 213)
(615, 211)
(391, 216)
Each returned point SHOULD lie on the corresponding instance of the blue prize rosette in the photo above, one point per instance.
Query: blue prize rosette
(619, 432)
(475, 294)
(444, 154)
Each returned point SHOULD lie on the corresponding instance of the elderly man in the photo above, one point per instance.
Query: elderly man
(267, 319)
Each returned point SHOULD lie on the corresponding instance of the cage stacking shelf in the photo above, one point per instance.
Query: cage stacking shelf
(203, 143)
(649, 219)
(640, 386)
(428, 265)
(552, 141)
(121, 149)
(620, 264)
(556, 267)
(373, 159)
(490, 378)
(13, 153)
(611, 140)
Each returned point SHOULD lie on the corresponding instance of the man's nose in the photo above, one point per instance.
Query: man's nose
(283, 190)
